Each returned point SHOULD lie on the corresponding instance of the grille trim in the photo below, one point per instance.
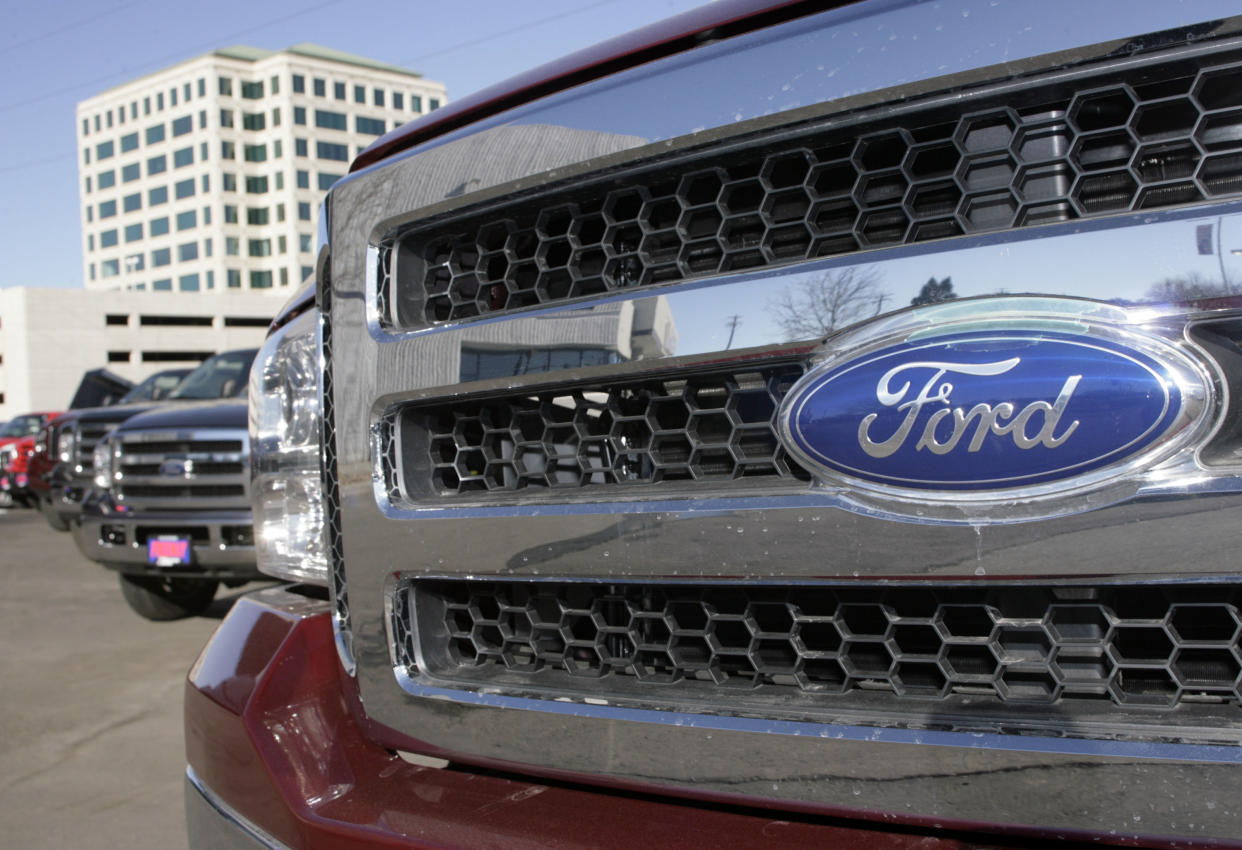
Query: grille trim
(215, 476)
(1076, 150)
(1150, 647)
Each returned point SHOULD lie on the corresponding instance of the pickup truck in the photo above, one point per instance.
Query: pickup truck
(781, 426)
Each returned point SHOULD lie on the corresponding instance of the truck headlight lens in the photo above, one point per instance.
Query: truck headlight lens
(104, 464)
(286, 425)
(65, 443)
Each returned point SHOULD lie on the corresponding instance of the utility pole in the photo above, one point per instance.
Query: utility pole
(733, 322)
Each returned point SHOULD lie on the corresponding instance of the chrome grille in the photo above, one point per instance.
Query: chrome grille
(701, 427)
(184, 470)
(1135, 646)
(1016, 155)
(89, 433)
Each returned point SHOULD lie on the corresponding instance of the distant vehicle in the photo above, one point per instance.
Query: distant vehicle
(156, 387)
(71, 442)
(26, 425)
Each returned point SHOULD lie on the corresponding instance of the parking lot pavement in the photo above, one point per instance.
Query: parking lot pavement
(91, 748)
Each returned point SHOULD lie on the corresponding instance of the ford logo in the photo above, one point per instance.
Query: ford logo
(983, 411)
(177, 468)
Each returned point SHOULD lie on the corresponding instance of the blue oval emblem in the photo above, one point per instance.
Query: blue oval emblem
(983, 411)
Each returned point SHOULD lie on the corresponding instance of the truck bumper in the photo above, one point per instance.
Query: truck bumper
(222, 542)
(278, 758)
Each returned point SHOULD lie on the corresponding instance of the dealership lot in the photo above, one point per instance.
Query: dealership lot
(91, 750)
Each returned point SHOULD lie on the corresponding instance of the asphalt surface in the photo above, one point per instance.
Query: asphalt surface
(91, 746)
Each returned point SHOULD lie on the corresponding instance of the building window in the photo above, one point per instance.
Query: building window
(226, 86)
(90, 214)
(370, 126)
(259, 248)
(104, 150)
(338, 91)
(146, 106)
(107, 179)
(284, 277)
(202, 87)
(299, 115)
(187, 92)
(256, 215)
(252, 91)
(321, 87)
(299, 147)
(90, 241)
(121, 319)
(331, 120)
(277, 149)
(275, 85)
(234, 278)
(86, 155)
(188, 283)
(109, 268)
(378, 97)
(282, 245)
(255, 153)
(157, 196)
(187, 220)
(253, 120)
(183, 157)
(398, 100)
(187, 251)
(299, 84)
(131, 172)
(107, 209)
(228, 150)
(133, 232)
(276, 117)
(129, 142)
(161, 257)
(172, 96)
(202, 151)
(226, 118)
(433, 103)
(133, 263)
(232, 246)
(206, 215)
(182, 126)
(256, 185)
(184, 189)
(162, 285)
(280, 180)
(280, 212)
(230, 214)
(327, 179)
(132, 203)
(155, 134)
(360, 94)
(230, 181)
(159, 226)
(303, 179)
(202, 119)
(304, 242)
(416, 103)
(156, 165)
(304, 211)
(109, 117)
(260, 280)
(108, 238)
(328, 150)
(86, 126)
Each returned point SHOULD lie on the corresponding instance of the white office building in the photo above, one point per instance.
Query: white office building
(208, 175)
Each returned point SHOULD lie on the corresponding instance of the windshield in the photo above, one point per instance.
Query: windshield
(222, 376)
(155, 387)
(23, 426)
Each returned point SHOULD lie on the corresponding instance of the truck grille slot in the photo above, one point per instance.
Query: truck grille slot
(1135, 646)
(203, 470)
(1012, 155)
(718, 426)
(88, 435)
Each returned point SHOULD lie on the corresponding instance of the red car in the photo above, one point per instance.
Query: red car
(18, 441)
(791, 425)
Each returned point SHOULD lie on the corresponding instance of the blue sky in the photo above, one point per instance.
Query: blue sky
(54, 53)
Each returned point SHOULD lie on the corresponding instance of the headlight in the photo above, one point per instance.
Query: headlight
(104, 464)
(65, 444)
(285, 429)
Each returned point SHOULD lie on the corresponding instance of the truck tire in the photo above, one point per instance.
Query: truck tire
(162, 599)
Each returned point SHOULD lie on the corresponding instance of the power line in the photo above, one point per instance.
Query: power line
(67, 27)
(34, 162)
(127, 72)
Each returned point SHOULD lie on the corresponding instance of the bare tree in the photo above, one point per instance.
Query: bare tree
(1191, 287)
(816, 308)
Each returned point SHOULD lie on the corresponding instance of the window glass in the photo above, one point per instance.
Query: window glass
(328, 150)
(129, 142)
(252, 91)
(155, 134)
(172, 97)
(280, 180)
(299, 115)
(202, 87)
(131, 172)
(338, 91)
(187, 220)
(370, 126)
(86, 155)
(90, 241)
(202, 119)
(161, 257)
(360, 94)
(108, 238)
(206, 215)
(183, 157)
(331, 120)
(433, 103)
(304, 211)
(256, 185)
(228, 150)
(416, 103)
(282, 245)
(207, 247)
(88, 184)
(157, 196)
(157, 165)
(303, 179)
(256, 215)
(276, 117)
(187, 91)
(230, 214)
(135, 262)
(226, 118)
(280, 211)
(182, 126)
(304, 242)
(184, 189)
(133, 232)
(232, 246)
(188, 283)
(320, 87)
(226, 86)
(187, 251)
(398, 100)
(259, 248)
(299, 84)
(107, 179)
(159, 226)
(162, 285)
(378, 97)
(327, 179)
(230, 182)
(107, 209)
(103, 150)
(109, 268)
(260, 280)
(277, 149)
(299, 147)
(275, 85)
(254, 120)
(255, 153)
(132, 203)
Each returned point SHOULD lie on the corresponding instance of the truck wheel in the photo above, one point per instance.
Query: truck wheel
(162, 599)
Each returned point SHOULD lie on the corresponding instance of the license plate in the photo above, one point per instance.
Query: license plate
(168, 551)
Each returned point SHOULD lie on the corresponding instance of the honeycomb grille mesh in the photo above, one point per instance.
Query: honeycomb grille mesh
(706, 427)
(1134, 646)
(1153, 137)
(331, 494)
